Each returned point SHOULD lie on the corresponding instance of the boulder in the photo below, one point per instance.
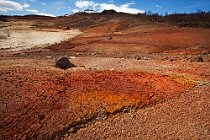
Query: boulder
(64, 63)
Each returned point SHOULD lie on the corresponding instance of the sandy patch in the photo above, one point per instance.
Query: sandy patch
(15, 39)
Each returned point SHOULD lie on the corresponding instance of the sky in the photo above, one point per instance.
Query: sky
(62, 7)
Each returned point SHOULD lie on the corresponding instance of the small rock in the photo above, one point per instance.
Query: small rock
(94, 54)
(205, 52)
(66, 135)
(22, 54)
(49, 57)
(93, 129)
(133, 115)
(138, 58)
(64, 63)
(72, 57)
(137, 136)
(197, 59)
(206, 131)
(78, 54)
(145, 58)
(41, 116)
(172, 59)
(71, 130)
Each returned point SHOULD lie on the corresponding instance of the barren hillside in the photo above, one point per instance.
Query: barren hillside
(134, 78)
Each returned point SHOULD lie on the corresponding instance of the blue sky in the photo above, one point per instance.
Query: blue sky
(62, 7)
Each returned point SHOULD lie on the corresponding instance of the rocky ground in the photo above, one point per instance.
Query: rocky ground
(149, 81)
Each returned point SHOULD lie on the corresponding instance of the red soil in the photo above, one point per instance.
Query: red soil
(40, 101)
(42, 104)
(157, 42)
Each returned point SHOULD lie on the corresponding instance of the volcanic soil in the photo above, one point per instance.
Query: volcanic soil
(133, 80)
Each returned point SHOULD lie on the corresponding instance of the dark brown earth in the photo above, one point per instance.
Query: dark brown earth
(132, 80)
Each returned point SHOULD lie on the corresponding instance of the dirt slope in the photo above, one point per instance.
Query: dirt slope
(47, 102)
(133, 79)
(185, 117)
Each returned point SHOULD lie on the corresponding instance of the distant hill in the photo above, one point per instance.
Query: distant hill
(86, 19)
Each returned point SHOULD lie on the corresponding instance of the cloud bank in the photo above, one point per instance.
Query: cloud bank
(7, 5)
(99, 7)
(36, 12)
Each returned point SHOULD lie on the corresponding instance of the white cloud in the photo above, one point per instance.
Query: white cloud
(75, 10)
(32, 0)
(43, 3)
(45, 14)
(82, 5)
(2, 10)
(36, 12)
(158, 6)
(26, 5)
(32, 11)
(6, 5)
